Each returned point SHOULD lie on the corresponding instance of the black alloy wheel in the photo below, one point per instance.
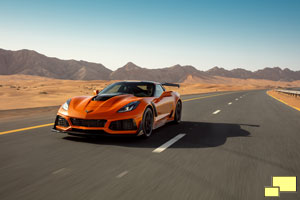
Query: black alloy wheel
(147, 123)
(178, 110)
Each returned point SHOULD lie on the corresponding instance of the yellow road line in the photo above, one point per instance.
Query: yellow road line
(24, 129)
(207, 96)
(44, 125)
(283, 102)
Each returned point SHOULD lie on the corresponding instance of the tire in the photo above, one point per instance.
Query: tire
(147, 123)
(178, 110)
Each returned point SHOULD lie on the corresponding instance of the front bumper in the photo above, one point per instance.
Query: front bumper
(81, 132)
(109, 128)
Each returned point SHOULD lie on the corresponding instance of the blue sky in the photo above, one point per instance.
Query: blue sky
(157, 33)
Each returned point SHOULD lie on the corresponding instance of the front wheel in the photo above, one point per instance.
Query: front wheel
(178, 110)
(147, 123)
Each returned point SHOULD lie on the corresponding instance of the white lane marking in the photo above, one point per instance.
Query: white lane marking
(59, 171)
(236, 99)
(122, 174)
(241, 97)
(229, 103)
(169, 143)
(216, 112)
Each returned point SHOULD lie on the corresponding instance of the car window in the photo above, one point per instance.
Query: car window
(115, 88)
(158, 90)
(143, 87)
(138, 89)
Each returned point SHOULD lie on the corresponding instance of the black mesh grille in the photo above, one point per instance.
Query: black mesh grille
(60, 121)
(128, 124)
(88, 122)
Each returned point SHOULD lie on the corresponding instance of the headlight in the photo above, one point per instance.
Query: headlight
(129, 107)
(65, 106)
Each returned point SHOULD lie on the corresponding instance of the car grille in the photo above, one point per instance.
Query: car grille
(88, 122)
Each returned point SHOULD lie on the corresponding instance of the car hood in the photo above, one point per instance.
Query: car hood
(95, 106)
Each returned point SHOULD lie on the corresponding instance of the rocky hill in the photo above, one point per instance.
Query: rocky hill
(29, 62)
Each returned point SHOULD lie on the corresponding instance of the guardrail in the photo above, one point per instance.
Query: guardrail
(290, 92)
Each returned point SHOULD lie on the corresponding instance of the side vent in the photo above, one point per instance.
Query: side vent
(155, 111)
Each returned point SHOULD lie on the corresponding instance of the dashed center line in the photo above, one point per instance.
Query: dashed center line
(216, 112)
(122, 174)
(229, 103)
(60, 171)
(236, 99)
(203, 97)
(169, 143)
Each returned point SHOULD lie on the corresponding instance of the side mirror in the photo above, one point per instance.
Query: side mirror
(95, 92)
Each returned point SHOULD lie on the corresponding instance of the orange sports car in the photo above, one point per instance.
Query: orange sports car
(127, 107)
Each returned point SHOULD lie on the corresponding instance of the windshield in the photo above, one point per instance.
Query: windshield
(138, 89)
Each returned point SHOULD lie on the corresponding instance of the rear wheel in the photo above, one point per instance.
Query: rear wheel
(147, 123)
(178, 110)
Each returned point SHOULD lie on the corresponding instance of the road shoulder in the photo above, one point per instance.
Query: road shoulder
(291, 101)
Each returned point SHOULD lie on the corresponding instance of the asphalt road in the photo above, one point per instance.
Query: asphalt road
(229, 151)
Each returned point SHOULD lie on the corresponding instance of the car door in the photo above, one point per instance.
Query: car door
(163, 102)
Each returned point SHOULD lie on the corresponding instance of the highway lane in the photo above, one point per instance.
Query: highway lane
(36, 116)
(20, 118)
(228, 155)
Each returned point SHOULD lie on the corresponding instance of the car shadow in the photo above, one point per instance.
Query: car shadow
(198, 135)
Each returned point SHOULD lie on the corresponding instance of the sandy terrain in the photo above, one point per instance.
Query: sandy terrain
(290, 100)
(24, 91)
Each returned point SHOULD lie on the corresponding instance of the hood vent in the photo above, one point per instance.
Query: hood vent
(104, 97)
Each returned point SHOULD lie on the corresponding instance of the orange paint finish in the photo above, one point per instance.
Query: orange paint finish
(105, 128)
(86, 108)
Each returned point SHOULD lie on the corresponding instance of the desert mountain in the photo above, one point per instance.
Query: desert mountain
(32, 63)
(176, 73)
(277, 74)
(274, 74)
(235, 73)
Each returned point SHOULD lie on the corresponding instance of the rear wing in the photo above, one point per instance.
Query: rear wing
(171, 84)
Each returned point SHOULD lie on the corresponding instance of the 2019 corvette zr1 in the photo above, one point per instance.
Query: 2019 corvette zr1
(127, 107)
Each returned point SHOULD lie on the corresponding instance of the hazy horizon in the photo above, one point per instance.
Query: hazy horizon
(155, 34)
(161, 67)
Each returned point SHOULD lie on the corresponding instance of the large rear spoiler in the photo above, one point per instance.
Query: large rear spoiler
(171, 84)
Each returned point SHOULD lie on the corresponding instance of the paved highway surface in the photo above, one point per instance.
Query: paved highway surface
(227, 147)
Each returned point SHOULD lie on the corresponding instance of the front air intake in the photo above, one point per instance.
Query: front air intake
(60, 121)
(88, 122)
(128, 124)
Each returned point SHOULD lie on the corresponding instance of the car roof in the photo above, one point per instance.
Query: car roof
(137, 81)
